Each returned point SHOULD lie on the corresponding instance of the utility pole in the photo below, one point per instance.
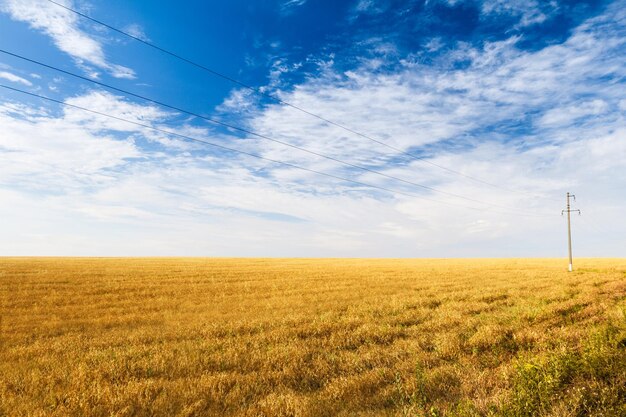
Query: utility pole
(568, 210)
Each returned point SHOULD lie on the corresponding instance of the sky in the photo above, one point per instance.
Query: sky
(433, 128)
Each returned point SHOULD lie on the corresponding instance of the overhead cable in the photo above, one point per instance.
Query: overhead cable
(288, 104)
(275, 161)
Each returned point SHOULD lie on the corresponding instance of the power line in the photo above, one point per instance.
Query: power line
(250, 132)
(226, 148)
(285, 103)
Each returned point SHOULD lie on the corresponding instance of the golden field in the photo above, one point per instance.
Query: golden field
(311, 337)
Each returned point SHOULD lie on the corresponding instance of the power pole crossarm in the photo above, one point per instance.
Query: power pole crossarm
(568, 210)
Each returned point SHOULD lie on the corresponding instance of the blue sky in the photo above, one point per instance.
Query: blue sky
(527, 96)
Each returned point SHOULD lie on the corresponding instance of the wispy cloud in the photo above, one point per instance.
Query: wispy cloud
(113, 105)
(288, 6)
(505, 117)
(137, 31)
(528, 12)
(540, 122)
(420, 104)
(63, 27)
(567, 115)
(14, 78)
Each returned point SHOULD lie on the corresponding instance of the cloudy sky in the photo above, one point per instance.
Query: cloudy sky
(457, 128)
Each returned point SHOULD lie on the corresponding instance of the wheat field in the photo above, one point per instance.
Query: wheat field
(311, 337)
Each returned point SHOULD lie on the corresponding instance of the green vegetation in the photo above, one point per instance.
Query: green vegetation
(588, 381)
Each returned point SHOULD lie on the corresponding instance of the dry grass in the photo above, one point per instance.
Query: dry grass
(301, 337)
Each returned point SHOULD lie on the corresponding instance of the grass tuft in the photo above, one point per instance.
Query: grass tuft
(589, 381)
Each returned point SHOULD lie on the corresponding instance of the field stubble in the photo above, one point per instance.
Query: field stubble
(311, 337)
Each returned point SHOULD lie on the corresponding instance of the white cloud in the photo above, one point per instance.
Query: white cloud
(367, 7)
(434, 44)
(562, 85)
(42, 152)
(239, 101)
(107, 103)
(364, 5)
(288, 6)
(294, 3)
(14, 78)
(564, 116)
(528, 11)
(63, 27)
(136, 31)
(74, 177)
